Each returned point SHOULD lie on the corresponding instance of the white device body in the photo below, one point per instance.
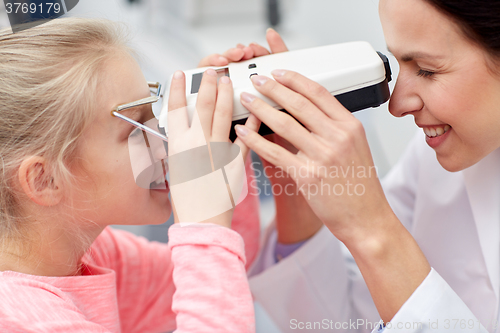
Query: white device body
(340, 68)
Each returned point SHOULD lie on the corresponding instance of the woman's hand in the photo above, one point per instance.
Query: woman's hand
(295, 221)
(333, 167)
(242, 52)
(334, 170)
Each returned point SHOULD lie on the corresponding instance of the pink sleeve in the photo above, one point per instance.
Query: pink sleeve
(143, 279)
(212, 292)
(246, 219)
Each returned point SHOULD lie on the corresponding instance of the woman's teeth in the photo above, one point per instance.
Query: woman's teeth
(437, 131)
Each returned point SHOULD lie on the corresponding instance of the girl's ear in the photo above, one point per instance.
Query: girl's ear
(38, 182)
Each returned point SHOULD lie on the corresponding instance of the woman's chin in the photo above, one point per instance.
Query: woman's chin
(454, 163)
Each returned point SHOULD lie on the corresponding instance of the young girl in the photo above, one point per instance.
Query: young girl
(66, 177)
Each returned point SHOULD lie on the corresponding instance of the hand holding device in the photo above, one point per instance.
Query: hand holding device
(353, 72)
(333, 167)
(207, 172)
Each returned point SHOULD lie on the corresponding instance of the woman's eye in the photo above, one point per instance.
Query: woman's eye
(424, 73)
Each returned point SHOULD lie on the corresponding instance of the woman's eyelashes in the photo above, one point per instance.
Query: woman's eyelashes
(425, 73)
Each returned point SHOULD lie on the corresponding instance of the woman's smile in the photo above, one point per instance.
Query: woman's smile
(435, 135)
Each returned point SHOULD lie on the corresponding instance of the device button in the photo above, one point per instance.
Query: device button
(251, 66)
(253, 74)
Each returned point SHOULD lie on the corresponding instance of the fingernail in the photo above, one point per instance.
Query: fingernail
(241, 130)
(225, 80)
(240, 46)
(211, 72)
(178, 75)
(246, 97)
(269, 29)
(222, 59)
(259, 80)
(278, 72)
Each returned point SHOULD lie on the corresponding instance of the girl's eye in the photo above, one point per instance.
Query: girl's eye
(424, 73)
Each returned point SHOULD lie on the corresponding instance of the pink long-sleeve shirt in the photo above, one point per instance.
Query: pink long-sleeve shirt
(129, 283)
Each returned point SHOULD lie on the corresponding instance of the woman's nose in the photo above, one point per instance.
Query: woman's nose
(405, 99)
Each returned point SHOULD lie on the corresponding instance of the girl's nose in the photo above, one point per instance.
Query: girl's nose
(158, 149)
(405, 99)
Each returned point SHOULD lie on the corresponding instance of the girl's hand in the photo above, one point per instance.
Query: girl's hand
(333, 167)
(214, 107)
(211, 123)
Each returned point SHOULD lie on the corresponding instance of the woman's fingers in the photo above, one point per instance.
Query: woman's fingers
(282, 124)
(249, 54)
(276, 43)
(205, 102)
(252, 123)
(213, 60)
(223, 111)
(258, 50)
(314, 92)
(269, 151)
(297, 105)
(235, 54)
(242, 52)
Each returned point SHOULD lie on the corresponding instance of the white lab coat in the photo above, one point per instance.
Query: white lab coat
(454, 217)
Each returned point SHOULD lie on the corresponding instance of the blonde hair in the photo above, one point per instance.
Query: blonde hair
(49, 78)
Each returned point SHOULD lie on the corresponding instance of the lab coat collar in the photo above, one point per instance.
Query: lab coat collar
(482, 182)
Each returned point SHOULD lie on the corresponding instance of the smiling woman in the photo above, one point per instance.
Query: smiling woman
(427, 238)
(443, 73)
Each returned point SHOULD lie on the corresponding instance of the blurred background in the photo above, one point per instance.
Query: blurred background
(172, 34)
